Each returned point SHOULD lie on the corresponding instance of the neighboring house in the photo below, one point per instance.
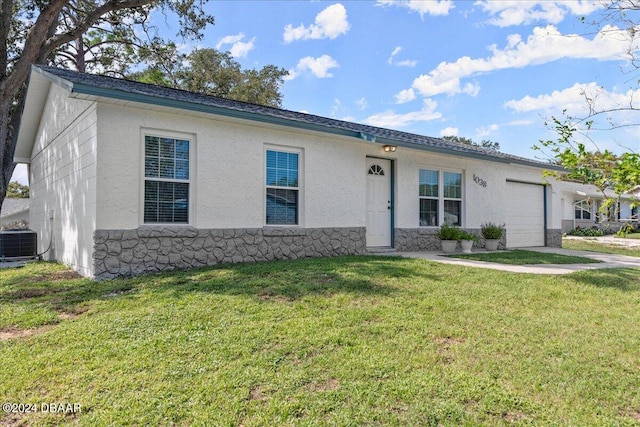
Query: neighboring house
(14, 210)
(581, 207)
(130, 178)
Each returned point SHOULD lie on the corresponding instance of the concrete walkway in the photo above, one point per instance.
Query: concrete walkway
(608, 261)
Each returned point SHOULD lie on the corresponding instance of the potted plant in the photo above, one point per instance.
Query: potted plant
(492, 234)
(466, 241)
(449, 237)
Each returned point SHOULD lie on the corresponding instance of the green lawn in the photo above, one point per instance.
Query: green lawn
(594, 246)
(521, 257)
(632, 236)
(345, 341)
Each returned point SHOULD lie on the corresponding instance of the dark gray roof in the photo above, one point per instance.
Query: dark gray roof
(11, 206)
(142, 92)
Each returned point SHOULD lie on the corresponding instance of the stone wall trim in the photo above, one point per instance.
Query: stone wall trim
(148, 249)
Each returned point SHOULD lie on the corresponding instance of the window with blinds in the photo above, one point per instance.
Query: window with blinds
(166, 180)
(282, 188)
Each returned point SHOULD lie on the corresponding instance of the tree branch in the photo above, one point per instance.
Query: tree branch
(6, 13)
(31, 51)
(91, 18)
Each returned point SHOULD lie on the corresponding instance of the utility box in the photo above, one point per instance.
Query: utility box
(18, 244)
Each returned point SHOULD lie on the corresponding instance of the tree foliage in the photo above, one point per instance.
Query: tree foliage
(612, 174)
(89, 35)
(485, 143)
(16, 190)
(216, 73)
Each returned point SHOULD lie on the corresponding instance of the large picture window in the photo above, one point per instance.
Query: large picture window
(282, 188)
(440, 195)
(166, 180)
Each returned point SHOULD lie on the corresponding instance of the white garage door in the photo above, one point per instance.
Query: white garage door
(525, 215)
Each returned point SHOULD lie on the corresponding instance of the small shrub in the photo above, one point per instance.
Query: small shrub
(490, 230)
(586, 232)
(448, 232)
(624, 230)
(464, 235)
(18, 225)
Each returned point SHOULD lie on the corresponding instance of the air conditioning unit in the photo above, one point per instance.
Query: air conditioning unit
(18, 244)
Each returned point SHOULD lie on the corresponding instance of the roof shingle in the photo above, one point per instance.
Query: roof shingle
(264, 113)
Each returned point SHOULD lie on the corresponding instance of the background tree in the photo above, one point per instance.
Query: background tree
(36, 32)
(485, 143)
(215, 73)
(612, 174)
(16, 190)
(605, 170)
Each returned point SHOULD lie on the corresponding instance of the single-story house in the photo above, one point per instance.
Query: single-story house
(581, 207)
(129, 178)
(14, 211)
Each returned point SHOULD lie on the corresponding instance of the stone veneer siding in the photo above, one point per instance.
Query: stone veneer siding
(155, 248)
(425, 239)
(554, 238)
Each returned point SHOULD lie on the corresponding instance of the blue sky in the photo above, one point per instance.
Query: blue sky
(483, 70)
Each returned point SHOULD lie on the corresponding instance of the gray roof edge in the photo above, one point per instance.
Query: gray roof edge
(158, 95)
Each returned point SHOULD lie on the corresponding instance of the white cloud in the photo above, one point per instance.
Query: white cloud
(449, 131)
(362, 104)
(523, 122)
(329, 24)
(239, 48)
(318, 66)
(410, 63)
(432, 7)
(404, 63)
(336, 106)
(396, 51)
(406, 95)
(545, 44)
(519, 12)
(486, 130)
(574, 100)
(390, 119)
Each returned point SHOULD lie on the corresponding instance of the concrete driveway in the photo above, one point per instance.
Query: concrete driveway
(607, 261)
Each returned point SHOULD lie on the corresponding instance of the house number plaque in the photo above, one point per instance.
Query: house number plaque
(481, 182)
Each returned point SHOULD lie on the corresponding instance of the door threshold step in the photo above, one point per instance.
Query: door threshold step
(381, 250)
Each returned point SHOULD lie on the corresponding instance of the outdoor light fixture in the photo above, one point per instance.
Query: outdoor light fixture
(389, 148)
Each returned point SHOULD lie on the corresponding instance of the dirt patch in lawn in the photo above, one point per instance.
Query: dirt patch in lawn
(11, 332)
(329, 385)
(55, 277)
(445, 344)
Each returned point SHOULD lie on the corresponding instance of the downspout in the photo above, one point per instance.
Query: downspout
(544, 195)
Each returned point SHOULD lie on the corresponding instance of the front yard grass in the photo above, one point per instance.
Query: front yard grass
(341, 341)
(632, 236)
(522, 257)
(586, 244)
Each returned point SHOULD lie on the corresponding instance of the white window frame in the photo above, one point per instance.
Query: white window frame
(579, 205)
(299, 188)
(191, 181)
(441, 198)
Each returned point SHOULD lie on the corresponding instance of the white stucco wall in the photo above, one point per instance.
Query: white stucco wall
(227, 173)
(481, 203)
(63, 180)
